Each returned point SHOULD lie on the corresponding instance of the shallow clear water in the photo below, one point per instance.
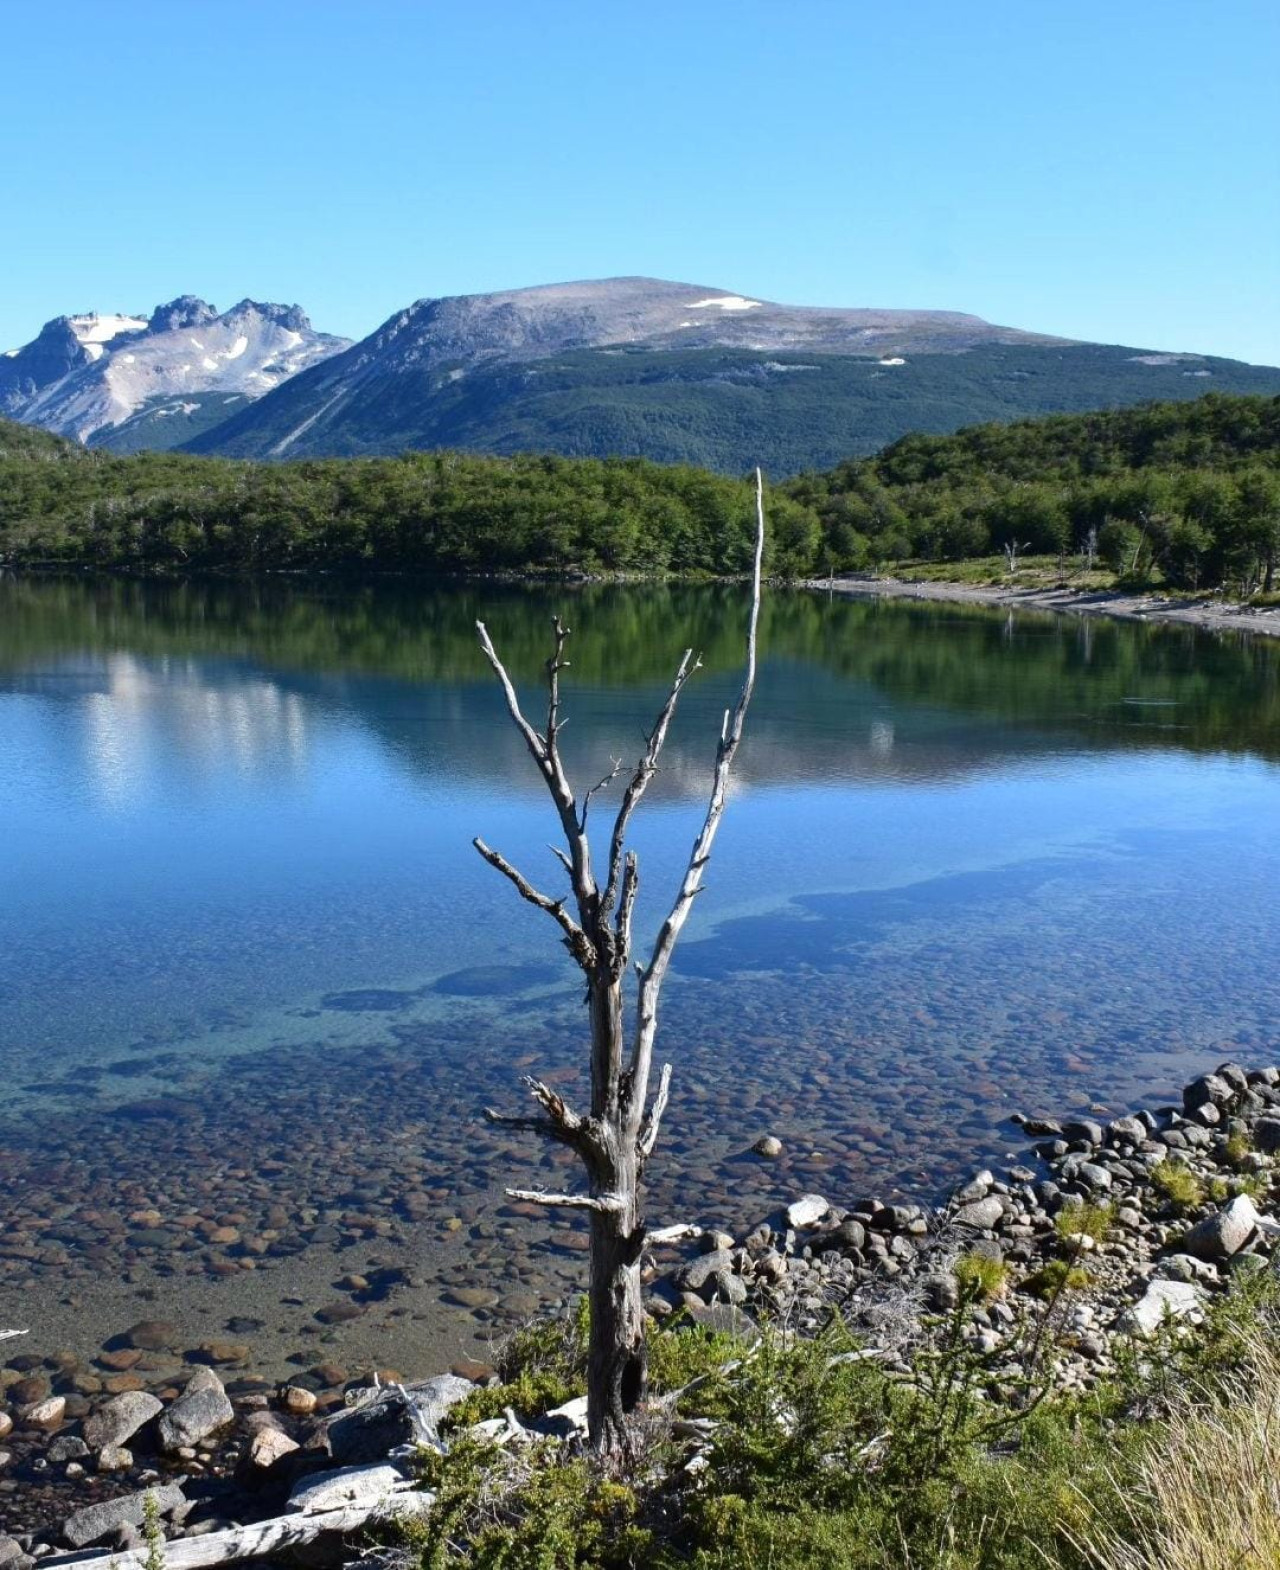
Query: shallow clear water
(253, 977)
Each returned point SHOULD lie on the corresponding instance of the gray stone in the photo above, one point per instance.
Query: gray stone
(1093, 1176)
(1131, 1131)
(120, 1419)
(1164, 1300)
(1224, 1234)
(1208, 1090)
(1083, 1131)
(729, 1288)
(695, 1275)
(389, 1418)
(202, 1409)
(807, 1211)
(66, 1448)
(768, 1146)
(432, 1398)
(1266, 1135)
(982, 1214)
(348, 1485)
(96, 1522)
(114, 1458)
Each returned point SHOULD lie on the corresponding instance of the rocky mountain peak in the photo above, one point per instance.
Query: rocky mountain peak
(291, 317)
(188, 310)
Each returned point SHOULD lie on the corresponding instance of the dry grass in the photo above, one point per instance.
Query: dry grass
(1209, 1495)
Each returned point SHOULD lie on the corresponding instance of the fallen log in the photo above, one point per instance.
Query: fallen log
(260, 1540)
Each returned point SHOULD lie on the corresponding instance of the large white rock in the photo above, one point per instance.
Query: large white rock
(1161, 1301)
(807, 1211)
(348, 1485)
(1226, 1233)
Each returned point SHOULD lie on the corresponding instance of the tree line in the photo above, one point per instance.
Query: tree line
(1186, 494)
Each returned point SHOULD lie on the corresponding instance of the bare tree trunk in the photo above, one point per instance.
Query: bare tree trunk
(618, 1136)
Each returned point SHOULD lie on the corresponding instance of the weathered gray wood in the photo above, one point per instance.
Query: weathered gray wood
(258, 1541)
(618, 1135)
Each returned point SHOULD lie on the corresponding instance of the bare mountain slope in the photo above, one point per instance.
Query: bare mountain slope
(686, 373)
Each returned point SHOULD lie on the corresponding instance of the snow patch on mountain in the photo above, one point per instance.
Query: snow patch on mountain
(102, 329)
(726, 302)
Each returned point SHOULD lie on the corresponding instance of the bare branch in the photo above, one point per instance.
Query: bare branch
(555, 1106)
(579, 944)
(547, 1127)
(676, 1233)
(652, 977)
(533, 741)
(546, 754)
(597, 788)
(649, 1130)
(604, 1203)
(555, 665)
(645, 769)
(562, 859)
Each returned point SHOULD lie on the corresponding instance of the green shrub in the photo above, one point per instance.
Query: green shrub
(1180, 1186)
(1054, 1278)
(1238, 1146)
(980, 1277)
(1083, 1220)
(538, 1508)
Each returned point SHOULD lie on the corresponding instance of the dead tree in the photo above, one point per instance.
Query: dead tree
(616, 1137)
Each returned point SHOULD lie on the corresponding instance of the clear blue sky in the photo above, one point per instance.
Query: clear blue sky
(1102, 170)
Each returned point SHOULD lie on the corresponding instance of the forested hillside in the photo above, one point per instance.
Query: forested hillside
(437, 512)
(1186, 494)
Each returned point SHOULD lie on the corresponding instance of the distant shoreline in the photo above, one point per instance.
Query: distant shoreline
(1214, 616)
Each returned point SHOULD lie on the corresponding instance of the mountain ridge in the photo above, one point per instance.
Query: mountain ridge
(625, 366)
(679, 372)
(113, 379)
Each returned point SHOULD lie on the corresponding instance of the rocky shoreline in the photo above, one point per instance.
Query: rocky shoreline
(1102, 1232)
(1210, 615)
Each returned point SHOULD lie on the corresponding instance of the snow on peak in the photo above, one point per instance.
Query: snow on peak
(95, 329)
(725, 302)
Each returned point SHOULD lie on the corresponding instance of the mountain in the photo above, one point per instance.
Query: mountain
(687, 373)
(128, 382)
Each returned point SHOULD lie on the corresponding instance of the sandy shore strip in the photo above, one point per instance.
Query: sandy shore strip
(1211, 615)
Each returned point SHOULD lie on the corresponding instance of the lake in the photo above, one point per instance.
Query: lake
(256, 988)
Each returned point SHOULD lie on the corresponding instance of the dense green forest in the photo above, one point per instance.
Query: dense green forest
(425, 511)
(1185, 494)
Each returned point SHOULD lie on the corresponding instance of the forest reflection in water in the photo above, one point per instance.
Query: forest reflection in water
(250, 966)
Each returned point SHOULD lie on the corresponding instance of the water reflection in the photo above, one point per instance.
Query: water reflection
(250, 966)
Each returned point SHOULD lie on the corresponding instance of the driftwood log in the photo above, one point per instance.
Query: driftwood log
(261, 1540)
(616, 1135)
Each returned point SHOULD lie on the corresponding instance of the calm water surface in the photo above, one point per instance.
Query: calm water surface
(255, 986)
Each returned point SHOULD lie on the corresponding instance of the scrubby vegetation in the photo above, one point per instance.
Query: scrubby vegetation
(814, 1457)
(1182, 495)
